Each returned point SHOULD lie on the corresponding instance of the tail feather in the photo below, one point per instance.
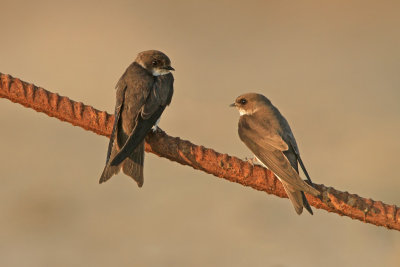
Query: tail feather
(108, 172)
(306, 204)
(133, 164)
(297, 198)
(309, 188)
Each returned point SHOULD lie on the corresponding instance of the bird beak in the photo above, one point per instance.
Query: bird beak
(232, 105)
(169, 68)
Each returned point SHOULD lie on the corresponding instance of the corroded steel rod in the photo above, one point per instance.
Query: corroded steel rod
(205, 159)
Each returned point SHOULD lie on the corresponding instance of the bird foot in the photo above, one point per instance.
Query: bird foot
(253, 161)
(156, 129)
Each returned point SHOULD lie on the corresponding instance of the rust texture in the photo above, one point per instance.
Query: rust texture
(54, 105)
(205, 159)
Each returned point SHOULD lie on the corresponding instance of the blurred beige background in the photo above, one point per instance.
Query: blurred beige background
(331, 68)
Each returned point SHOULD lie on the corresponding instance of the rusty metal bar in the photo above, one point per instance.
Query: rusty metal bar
(205, 159)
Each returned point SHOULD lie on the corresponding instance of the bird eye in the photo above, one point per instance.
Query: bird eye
(243, 101)
(155, 62)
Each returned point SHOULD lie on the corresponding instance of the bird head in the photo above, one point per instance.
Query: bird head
(249, 103)
(155, 62)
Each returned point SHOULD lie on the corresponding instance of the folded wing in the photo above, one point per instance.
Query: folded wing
(268, 147)
(159, 97)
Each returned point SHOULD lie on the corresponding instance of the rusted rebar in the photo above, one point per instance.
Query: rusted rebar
(184, 152)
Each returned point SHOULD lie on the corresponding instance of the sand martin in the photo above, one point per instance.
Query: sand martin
(143, 92)
(268, 135)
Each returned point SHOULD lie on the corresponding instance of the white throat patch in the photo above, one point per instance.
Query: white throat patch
(158, 72)
(246, 112)
(155, 72)
(242, 112)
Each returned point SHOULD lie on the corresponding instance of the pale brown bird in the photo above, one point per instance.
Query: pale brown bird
(143, 92)
(268, 135)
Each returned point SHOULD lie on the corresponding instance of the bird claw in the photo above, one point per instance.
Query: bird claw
(253, 161)
(156, 129)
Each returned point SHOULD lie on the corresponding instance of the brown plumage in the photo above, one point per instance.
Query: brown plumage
(268, 135)
(143, 92)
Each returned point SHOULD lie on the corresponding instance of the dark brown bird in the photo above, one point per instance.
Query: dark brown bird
(143, 92)
(268, 135)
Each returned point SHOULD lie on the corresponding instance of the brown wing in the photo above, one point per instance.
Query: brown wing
(159, 96)
(268, 148)
(289, 139)
(117, 114)
(265, 137)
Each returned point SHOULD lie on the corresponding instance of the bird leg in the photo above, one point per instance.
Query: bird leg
(155, 127)
(253, 161)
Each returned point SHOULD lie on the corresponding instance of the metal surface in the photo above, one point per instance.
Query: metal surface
(205, 159)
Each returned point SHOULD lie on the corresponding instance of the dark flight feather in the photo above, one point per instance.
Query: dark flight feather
(137, 136)
(117, 115)
(160, 96)
(278, 155)
(293, 154)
